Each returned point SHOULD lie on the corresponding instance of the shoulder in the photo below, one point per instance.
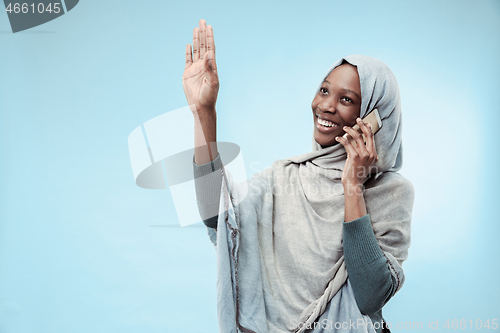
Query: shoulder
(390, 197)
(395, 184)
(277, 169)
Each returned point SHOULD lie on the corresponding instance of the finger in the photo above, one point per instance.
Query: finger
(203, 38)
(360, 145)
(370, 146)
(374, 147)
(196, 44)
(211, 47)
(349, 148)
(368, 136)
(189, 56)
(373, 169)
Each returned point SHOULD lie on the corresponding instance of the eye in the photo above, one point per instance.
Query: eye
(323, 90)
(347, 99)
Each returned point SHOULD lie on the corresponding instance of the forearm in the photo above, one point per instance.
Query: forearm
(205, 136)
(354, 205)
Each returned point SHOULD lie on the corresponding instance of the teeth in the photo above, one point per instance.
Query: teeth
(326, 123)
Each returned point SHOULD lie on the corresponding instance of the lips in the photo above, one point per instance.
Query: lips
(326, 119)
(327, 130)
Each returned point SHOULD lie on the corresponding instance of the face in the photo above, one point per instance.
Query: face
(337, 104)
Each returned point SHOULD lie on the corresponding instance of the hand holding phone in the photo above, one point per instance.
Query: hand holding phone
(371, 118)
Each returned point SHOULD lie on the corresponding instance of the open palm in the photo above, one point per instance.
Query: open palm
(200, 80)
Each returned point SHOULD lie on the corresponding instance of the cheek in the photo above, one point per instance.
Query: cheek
(315, 102)
(349, 115)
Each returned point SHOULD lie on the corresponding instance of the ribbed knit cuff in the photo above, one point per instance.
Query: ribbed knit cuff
(208, 181)
(360, 244)
(205, 169)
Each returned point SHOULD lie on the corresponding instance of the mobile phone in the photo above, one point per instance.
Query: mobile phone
(373, 118)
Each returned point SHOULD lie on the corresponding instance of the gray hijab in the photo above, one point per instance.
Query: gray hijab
(282, 261)
(379, 89)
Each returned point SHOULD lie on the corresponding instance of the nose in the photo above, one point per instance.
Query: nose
(327, 105)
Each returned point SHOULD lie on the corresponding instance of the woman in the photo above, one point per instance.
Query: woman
(318, 242)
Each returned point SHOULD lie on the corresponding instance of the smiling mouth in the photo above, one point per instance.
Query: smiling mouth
(326, 124)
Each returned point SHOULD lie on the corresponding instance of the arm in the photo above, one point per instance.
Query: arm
(372, 281)
(201, 85)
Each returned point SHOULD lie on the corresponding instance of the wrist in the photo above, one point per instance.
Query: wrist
(208, 111)
(352, 184)
(353, 188)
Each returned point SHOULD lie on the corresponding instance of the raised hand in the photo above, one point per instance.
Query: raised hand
(200, 80)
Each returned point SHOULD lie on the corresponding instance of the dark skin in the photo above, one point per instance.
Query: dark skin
(339, 102)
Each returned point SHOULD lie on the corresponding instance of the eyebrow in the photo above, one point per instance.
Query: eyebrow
(347, 90)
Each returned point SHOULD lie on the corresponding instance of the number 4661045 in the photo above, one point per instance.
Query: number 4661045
(462, 324)
(40, 8)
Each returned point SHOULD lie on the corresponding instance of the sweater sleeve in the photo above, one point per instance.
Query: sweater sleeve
(208, 182)
(369, 272)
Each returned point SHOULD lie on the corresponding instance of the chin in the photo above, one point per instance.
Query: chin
(326, 143)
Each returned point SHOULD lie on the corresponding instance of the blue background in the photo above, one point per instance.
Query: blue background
(78, 252)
